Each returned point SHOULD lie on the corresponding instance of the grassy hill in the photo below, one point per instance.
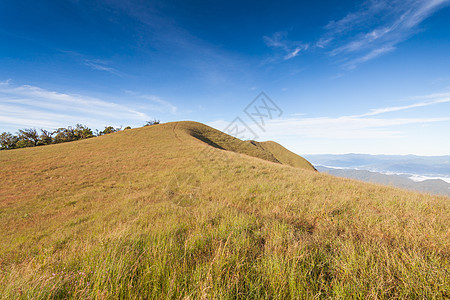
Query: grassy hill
(180, 210)
(284, 156)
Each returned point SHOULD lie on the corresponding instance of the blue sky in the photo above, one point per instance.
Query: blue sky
(348, 76)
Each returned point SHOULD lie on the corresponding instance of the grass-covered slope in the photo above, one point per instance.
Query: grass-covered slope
(149, 213)
(270, 151)
(285, 156)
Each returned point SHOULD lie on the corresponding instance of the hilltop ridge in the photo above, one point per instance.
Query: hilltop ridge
(270, 151)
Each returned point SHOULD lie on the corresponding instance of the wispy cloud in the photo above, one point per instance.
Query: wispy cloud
(6, 82)
(346, 127)
(352, 63)
(441, 98)
(93, 63)
(362, 126)
(162, 104)
(100, 65)
(288, 48)
(154, 103)
(376, 28)
(161, 32)
(33, 106)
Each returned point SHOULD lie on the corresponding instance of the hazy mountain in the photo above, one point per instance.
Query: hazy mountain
(429, 174)
(434, 186)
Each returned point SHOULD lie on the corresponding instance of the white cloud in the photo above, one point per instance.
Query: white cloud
(346, 127)
(378, 111)
(93, 63)
(376, 28)
(436, 96)
(6, 82)
(162, 104)
(369, 56)
(290, 49)
(155, 103)
(297, 114)
(323, 42)
(363, 126)
(293, 54)
(100, 65)
(33, 106)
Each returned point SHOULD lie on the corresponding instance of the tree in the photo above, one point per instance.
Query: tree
(28, 136)
(24, 143)
(31, 137)
(46, 137)
(8, 141)
(108, 130)
(126, 128)
(154, 122)
(63, 135)
(82, 132)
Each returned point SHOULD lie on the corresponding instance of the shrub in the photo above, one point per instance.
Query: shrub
(29, 136)
(154, 122)
(8, 141)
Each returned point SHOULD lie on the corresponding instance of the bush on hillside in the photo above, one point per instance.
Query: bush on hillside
(154, 122)
(8, 141)
(31, 137)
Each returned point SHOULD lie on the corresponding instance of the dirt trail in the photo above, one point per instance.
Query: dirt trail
(175, 133)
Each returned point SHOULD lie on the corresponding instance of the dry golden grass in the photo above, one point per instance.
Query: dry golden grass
(156, 213)
(285, 156)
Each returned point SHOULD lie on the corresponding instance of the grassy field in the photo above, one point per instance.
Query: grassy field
(182, 211)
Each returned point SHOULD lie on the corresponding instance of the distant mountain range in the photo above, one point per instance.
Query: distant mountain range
(429, 174)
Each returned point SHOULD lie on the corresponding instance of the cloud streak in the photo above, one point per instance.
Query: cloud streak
(101, 66)
(155, 103)
(376, 28)
(377, 111)
(159, 31)
(345, 127)
(289, 49)
(362, 126)
(93, 63)
(33, 106)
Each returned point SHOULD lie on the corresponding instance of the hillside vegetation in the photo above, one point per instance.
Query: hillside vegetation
(183, 211)
(284, 156)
